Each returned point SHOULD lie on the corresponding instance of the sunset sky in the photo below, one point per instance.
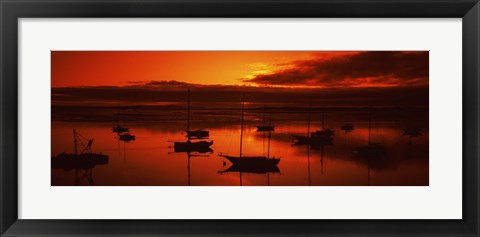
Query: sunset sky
(249, 68)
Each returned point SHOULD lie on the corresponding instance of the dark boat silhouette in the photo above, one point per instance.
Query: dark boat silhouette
(325, 132)
(200, 146)
(120, 129)
(251, 169)
(126, 137)
(412, 132)
(372, 150)
(197, 134)
(347, 127)
(324, 136)
(85, 159)
(194, 134)
(259, 161)
(313, 140)
(265, 128)
(189, 146)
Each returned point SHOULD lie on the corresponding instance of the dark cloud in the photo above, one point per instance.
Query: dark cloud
(373, 68)
(166, 83)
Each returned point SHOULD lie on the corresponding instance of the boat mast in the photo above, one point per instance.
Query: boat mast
(323, 120)
(309, 114)
(188, 110)
(241, 134)
(369, 126)
(308, 165)
(241, 124)
(269, 136)
(75, 141)
(188, 167)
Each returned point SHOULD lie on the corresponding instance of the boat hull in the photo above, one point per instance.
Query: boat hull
(200, 147)
(313, 141)
(255, 161)
(252, 169)
(127, 137)
(68, 161)
(370, 151)
(265, 128)
(198, 134)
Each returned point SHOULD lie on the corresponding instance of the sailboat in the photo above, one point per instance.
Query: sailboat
(193, 146)
(347, 127)
(119, 129)
(372, 150)
(189, 146)
(266, 128)
(250, 161)
(126, 137)
(412, 132)
(318, 138)
(84, 159)
(194, 134)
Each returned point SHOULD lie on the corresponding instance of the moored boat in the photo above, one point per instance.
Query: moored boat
(84, 159)
(261, 161)
(126, 137)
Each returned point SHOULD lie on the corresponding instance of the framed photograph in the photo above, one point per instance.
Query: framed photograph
(252, 118)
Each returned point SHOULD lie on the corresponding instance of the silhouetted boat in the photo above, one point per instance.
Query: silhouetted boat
(347, 127)
(258, 161)
(254, 161)
(314, 139)
(85, 159)
(68, 161)
(325, 132)
(197, 134)
(126, 137)
(120, 129)
(324, 136)
(265, 128)
(193, 146)
(194, 134)
(189, 146)
(251, 169)
(372, 150)
(412, 132)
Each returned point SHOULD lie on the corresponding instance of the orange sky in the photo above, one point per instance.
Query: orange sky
(119, 68)
(116, 68)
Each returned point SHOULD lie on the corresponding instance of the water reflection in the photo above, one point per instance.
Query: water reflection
(336, 161)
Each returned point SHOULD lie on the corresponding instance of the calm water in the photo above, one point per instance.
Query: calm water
(151, 160)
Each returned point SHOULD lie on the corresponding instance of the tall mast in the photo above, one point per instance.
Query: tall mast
(268, 151)
(75, 141)
(188, 110)
(309, 111)
(241, 124)
(188, 167)
(323, 120)
(308, 165)
(369, 126)
(269, 136)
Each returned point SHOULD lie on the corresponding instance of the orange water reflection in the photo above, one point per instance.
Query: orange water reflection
(150, 160)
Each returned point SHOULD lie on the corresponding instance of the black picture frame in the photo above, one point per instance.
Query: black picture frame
(11, 11)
